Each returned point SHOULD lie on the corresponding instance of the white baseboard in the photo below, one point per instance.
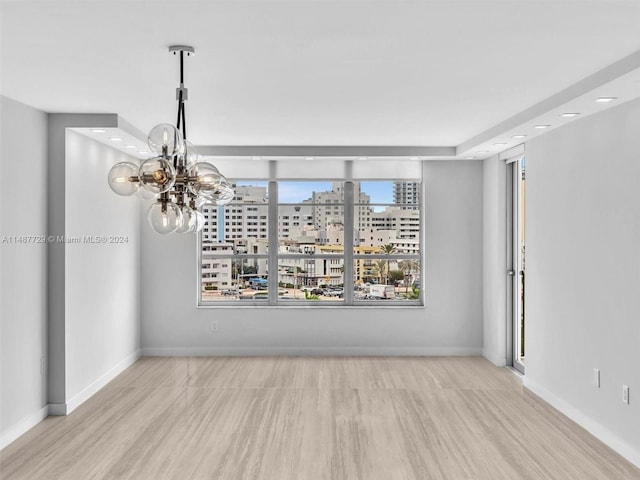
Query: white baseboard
(308, 351)
(91, 390)
(497, 360)
(23, 426)
(601, 433)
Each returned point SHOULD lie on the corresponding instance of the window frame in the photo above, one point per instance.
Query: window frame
(349, 257)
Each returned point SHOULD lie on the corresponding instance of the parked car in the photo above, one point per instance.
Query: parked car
(382, 292)
(334, 292)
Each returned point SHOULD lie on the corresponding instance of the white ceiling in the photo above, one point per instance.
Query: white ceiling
(383, 73)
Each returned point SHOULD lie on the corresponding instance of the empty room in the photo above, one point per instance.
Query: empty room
(320, 240)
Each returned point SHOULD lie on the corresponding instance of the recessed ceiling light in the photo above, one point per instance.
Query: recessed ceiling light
(569, 114)
(480, 152)
(130, 146)
(309, 158)
(98, 130)
(542, 126)
(499, 144)
(519, 136)
(362, 158)
(143, 153)
(115, 139)
(415, 158)
(469, 158)
(606, 99)
(256, 158)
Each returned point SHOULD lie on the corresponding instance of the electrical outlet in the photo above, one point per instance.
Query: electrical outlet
(214, 326)
(625, 394)
(596, 377)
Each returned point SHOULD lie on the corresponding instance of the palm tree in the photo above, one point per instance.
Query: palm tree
(380, 266)
(408, 266)
(236, 266)
(388, 249)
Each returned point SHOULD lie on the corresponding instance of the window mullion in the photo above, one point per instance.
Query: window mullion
(348, 243)
(273, 243)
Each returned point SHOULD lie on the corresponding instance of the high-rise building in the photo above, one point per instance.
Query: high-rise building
(247, 219)
(407, 194)
(328, 210)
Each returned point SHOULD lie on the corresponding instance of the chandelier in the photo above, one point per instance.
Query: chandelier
(179, 181)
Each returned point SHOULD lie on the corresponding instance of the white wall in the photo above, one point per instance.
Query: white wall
(102, 280)
(494, 261)
(451, 322)
(23, 295)
(583, 272)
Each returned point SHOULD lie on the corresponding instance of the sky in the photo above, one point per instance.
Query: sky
(294, 192)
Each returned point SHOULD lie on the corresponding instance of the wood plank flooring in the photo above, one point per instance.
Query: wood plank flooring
(312, 418)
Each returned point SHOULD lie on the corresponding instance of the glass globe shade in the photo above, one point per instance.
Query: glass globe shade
(203, 201)
(165, 140)
(225, 194)
(157, 175)
(199, 221)
(120, 178)
(164, 221)
(222, 195)
(188, 153)
(188, 220)
(206, 178)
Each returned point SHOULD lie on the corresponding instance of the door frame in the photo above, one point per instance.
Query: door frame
(512, 252)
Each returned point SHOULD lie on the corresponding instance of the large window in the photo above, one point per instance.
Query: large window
(317, 241)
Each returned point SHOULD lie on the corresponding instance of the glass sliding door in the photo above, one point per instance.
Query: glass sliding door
(516, 240)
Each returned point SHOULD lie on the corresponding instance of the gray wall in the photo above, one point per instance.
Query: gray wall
(23, 294)
(451, 322)
(583, 272)
(102, 280)
(494, 261)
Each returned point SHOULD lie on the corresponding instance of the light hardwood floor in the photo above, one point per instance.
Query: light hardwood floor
(313, 418)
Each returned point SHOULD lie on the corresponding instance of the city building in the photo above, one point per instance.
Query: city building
(406, 194)
(216, 266)
(247, 219)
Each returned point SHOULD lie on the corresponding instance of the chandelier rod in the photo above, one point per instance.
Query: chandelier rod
(181, 97)
(184, 119)
(181, 117)
(181, 67)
